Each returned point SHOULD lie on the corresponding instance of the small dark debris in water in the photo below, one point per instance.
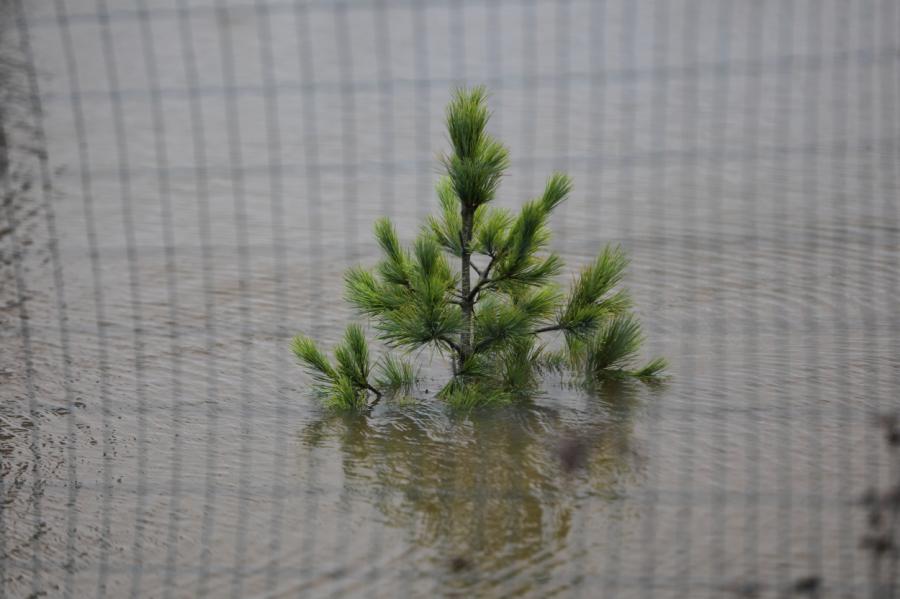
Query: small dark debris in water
(888, 420)
(41, 529)
(748, 590)
(891, 498)
(891, 426)
(877, 544)
(808, 585)
(874, 500)
(572, 454)
(459, 564)
(875, 519)
(14, 304)
(869, 498)
(893, 437)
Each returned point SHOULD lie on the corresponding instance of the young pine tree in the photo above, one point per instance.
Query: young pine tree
(478, 286)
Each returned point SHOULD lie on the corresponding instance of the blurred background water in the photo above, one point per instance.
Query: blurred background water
(185, 182)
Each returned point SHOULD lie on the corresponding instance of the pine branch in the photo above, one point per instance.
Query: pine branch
(313, 359)
(593, 298)
(548, 329)
(653, 369)
(343, 386)
(483, 280)
(451, 344)
(613, 349)
(491, 231)
(352, 356)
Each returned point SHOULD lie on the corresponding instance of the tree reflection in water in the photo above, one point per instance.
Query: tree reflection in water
(498, 490)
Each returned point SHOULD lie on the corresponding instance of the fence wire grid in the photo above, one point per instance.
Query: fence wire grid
(185, 181)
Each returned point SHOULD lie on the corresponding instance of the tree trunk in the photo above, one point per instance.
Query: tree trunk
(465, 337)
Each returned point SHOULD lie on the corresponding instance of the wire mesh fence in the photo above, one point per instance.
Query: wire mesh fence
(185, 182)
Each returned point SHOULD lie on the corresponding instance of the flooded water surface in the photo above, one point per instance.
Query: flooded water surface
(185, 183)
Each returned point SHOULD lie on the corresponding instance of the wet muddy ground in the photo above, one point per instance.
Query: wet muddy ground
(186, 181)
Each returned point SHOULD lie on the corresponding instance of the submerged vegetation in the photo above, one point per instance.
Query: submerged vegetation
(493, 314)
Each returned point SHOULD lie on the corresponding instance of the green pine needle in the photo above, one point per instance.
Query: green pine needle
(558, 187)
(344, 395)
(497, 322)
(447, 229)
(352, 356)
(518, 366)
(654, 369)
(339, 387)
(467, 117)
(538, 304)
(429, 261)
(475, 180)
(478, 160)
(593, 298)
(315, 362)
(599, 278)
(467, 397)
(612, 351)
(491, 230)
(395, 266)
(395, 375)
(420, 323)
(368, 296)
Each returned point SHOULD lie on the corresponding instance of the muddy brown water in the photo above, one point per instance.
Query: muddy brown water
(201, 175)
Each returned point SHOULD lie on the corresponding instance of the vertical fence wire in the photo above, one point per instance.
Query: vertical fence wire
(720, 325)
(99, 305)
(46, 199)
(810, 323)
(837, 288)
